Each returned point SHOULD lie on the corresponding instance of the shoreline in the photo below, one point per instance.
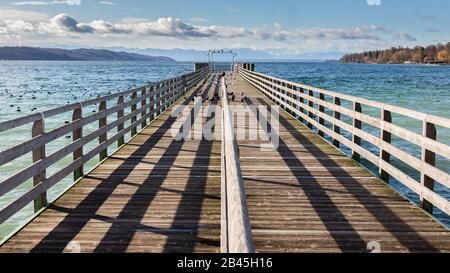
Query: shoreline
(405, 64)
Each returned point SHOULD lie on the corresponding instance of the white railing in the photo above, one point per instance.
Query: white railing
(236, 235)
(311, 106)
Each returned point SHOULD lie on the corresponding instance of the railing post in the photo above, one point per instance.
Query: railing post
(310, 104)
(77, 134)
(429, 131)
(158, 101)
(291, 96)
(133, 110)
(152, 104)
(358, 125)
(180, 91)
(277, 95)
(302, 102)
(337, 129)
(295, 98)
(167, 95)
(144, 105)
(271, 91)
(39, 154)
(164, 97)
(386, 137)
(102, 123)
(120, 127)
(322, 110)
(172, 93)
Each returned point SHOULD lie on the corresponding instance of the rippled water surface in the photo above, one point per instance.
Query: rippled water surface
(30, 87)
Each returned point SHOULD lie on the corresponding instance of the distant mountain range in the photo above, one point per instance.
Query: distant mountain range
(244, 54)
(69, 53)
(57, 54)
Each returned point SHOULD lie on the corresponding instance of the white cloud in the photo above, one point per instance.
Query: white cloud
(175, 28)
(63, 23)
(24, 28)
(374, 2)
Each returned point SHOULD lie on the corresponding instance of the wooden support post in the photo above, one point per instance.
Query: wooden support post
(120, 127)
(429, 131)
(162, 100)
(157, 95)
(358, 125)
(144, 105)
(171, 95)
(322, 110)
(302, 102)
(311, 104)
(276, 94)
(386, 137)
(39, 154)
(152, 104)
(180, 91)
(167, 96)
(133, 110)
(295, 98)
(76, 135)
(175, 93)
(283, 91)
(102, 123)
(273, 91)
(337, 115)
(290, 95)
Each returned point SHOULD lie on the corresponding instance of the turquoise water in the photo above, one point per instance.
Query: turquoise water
(30, 87)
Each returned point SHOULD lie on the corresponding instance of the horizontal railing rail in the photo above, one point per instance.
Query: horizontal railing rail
(144, 104)
(310, 105)
(236, 229)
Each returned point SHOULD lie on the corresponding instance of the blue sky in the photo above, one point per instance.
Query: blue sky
(278, 26)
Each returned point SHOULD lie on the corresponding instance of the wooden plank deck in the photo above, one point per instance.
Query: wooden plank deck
(154, 195)
(306, 196)
(161, 195)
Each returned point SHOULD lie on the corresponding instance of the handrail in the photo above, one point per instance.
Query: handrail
(236, 228)
(145, 103)
(310, 105)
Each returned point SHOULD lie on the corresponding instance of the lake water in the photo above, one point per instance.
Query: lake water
(30, 87)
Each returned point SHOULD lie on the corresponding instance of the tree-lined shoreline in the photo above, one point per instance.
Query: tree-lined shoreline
(23, 53)
(433, 54)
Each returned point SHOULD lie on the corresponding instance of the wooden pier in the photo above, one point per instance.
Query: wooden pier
(159, 194)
